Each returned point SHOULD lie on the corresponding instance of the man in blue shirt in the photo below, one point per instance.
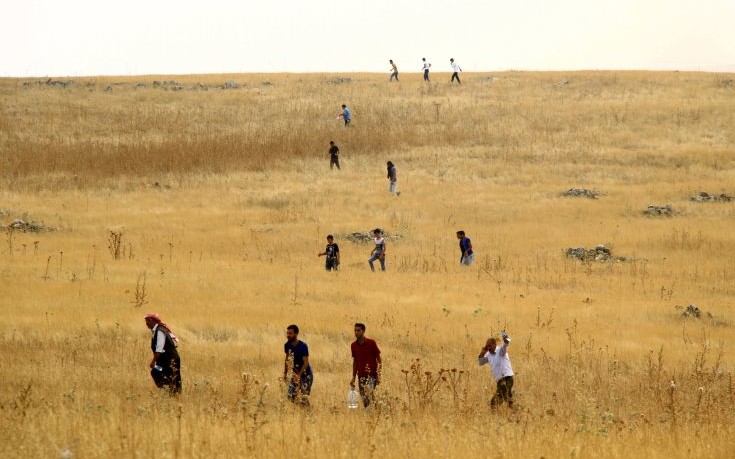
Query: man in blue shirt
(297, 370)
(346, 115)
(465, 245)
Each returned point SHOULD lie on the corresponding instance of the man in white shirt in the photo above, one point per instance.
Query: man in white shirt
(455, 71)
(500, 369)
(425, 68)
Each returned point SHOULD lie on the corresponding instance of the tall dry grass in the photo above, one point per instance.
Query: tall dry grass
(225, 249)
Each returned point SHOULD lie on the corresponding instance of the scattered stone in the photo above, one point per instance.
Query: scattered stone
(231, 84)
(59, 83)
(659, 211)
(339, 80)
(168, 84)
(267, 83)
(26, 227)
(141, 86)
(202, 87)
(368, 237)
(599, 253)
(563, 83)
(703, 196)
(108, 88)
(581, 193)
(727, 82)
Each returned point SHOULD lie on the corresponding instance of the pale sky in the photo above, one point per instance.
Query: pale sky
(97, 37)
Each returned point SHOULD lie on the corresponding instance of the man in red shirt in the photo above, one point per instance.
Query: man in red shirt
(366, 364)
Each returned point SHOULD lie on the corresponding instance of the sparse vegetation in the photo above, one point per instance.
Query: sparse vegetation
(606, 364)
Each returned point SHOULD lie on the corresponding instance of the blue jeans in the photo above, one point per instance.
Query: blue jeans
(375, 257)
(299, 392)
(466, 261)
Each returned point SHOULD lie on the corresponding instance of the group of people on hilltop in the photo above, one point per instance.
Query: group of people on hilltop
(425, 69)
(367, 364)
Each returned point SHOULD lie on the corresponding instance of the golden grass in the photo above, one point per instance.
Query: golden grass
(228, 245)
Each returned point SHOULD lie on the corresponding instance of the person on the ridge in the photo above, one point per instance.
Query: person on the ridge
(455, 71)
(426, 66)
(393, 71)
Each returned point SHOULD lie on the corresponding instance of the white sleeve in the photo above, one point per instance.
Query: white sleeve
(503, 349)
(160, 341)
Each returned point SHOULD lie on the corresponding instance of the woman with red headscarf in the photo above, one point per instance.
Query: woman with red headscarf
(166, 363)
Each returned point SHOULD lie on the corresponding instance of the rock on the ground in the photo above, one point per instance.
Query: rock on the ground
(703, 196)
(581, 193)
(599, 253)
(26, 227)
(339, 80)
(659, 211)
(368, 237)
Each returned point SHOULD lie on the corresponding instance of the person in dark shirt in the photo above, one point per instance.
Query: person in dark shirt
(392, 179)
(465, 246)
(366, 364)
(333, 155)
(166, 363)
(332, 254)
(297, 369)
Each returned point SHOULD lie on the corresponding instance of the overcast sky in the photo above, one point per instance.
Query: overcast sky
(94, 37)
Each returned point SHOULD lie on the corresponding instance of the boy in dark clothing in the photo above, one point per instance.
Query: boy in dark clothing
(465, 246)
(333, 155)
(297, 364)
(332, 254)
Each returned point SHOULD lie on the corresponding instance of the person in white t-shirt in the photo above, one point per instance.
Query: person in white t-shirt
(378, 253)
(426, 66)
(455, 71)
(500, 368)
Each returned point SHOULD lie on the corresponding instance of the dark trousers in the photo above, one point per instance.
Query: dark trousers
(334, 162)
(393, 75)
(331, 264)
(455, 75)
(504, 392)
(366, 385)
(299, 392)
(169, 376)
(426, 75)
(347, 122)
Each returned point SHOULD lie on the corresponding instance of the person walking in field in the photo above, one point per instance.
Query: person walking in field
(465, 246)
(297, 369)
(366, 364)
(500, 369)
(393, 71)
(426, 66)
(332, 254)
(378, 253)
(333, 155)
(393, 179)
(455, 71)
(166, 363)
(346, 115)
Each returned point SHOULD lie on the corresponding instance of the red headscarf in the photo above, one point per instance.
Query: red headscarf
(161, 324)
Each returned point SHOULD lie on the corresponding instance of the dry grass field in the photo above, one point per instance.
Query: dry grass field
(223, 198)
